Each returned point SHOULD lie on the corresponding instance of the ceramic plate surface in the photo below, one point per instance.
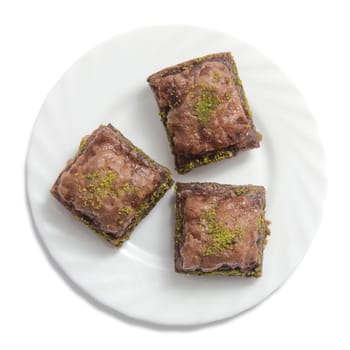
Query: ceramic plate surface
(108, 85)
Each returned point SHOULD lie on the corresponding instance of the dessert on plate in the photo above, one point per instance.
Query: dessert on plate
(204, 109)
(220, 229)
(111, 185)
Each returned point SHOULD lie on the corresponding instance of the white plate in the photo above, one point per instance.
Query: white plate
(108, 84)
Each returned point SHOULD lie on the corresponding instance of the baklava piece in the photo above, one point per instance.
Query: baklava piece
(204, 110)
(220, 229)
(111, 185)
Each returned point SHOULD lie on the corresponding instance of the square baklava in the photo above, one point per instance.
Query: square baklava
(204, 109)
(220, 229)
(111, 184)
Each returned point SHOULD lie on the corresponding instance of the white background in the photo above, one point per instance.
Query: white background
(39, 40)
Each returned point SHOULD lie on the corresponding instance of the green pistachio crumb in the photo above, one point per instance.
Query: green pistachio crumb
(220, 237)
(230, 81)
(234, 68)
(227, 96)
(100, 185)
(188, 167)
(125, 211)
(92, 176)
(200, 59)
(240, 190)
(208, 102)
(162, 115)
(140, 213)
(107, 180)
(83, 144)
(174, 98)
(257, 272)
(216, 77)
(220, 155)
(128, 188)
(179, 224)
(261, 224)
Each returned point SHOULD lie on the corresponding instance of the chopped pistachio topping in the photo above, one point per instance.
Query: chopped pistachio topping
(261, 225)
(92, 176)
(106, 181)
(162, 115)
(179, 224)
(200, 59)
(216, 76)
(125, 211)
(83, 144)
(174, 98)
(99, 186)
(208, 102)
(240, 190)
(221, 238)
(230, 81)
(127, 188)
(257, 272)
(219, 155)
(193, 62)
(234, 68)
(227, 96)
